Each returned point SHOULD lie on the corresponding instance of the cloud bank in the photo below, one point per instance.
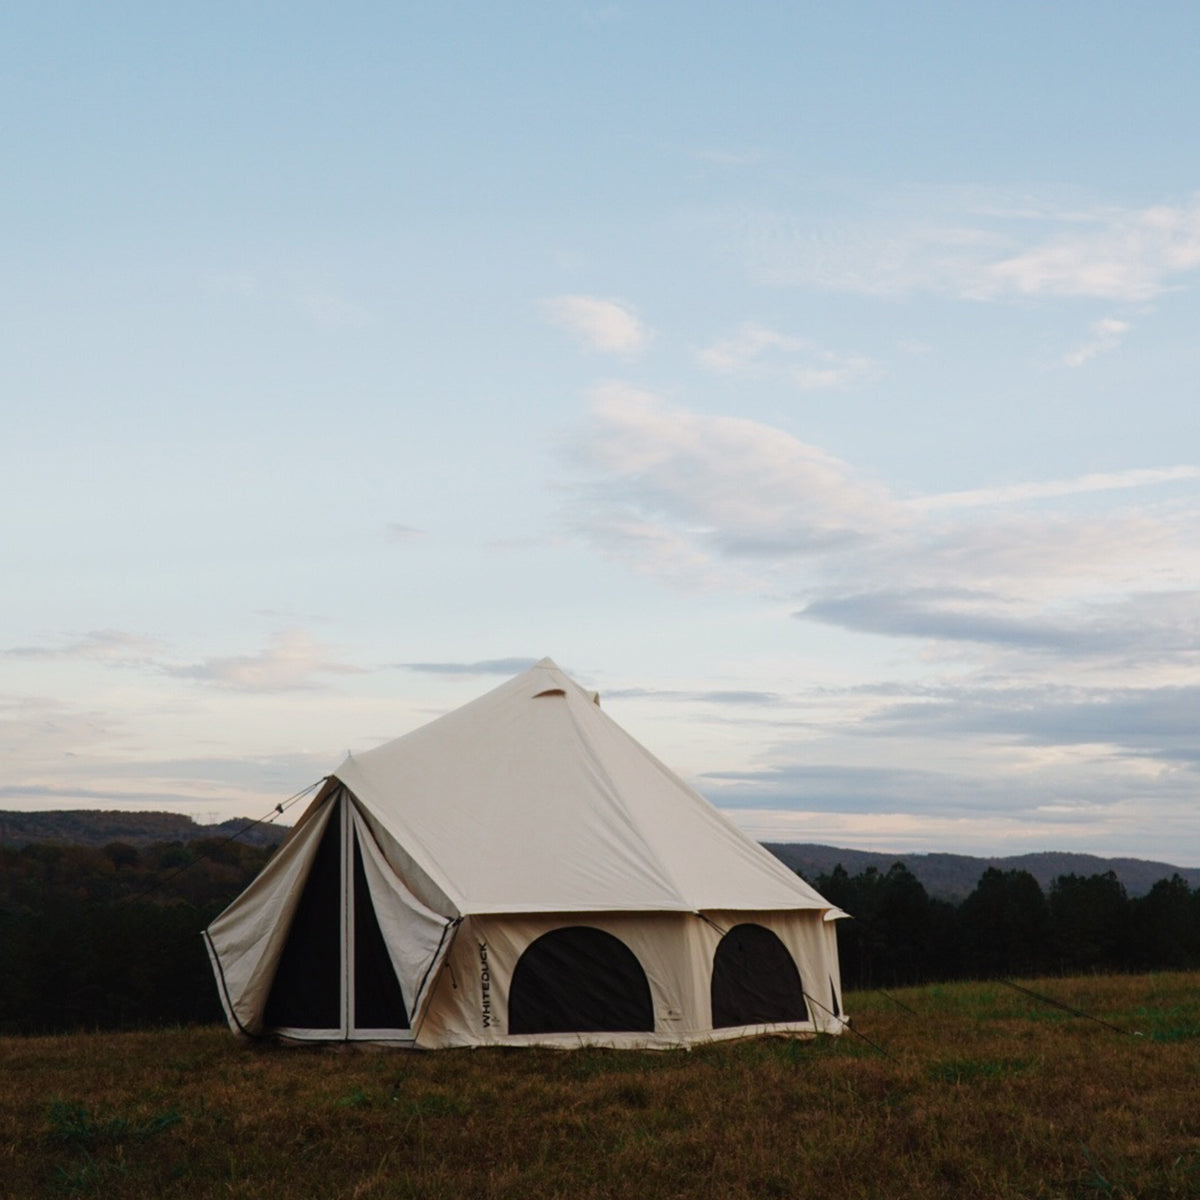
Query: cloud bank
(1049, 631)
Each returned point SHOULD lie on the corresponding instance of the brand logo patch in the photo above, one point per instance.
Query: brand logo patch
(485, 986)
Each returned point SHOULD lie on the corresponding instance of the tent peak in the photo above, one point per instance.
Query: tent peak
(548, 664)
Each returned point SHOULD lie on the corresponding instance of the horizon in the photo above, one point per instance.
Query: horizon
(198, 819)
(816, 385)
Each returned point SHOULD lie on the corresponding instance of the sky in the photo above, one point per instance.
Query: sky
(819, 383)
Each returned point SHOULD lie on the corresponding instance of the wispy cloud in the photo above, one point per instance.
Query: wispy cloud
(746, 347)
(1132, 256)
(1105, 335)
(953, 243)
(1135, 721)
(1150, 628)
(292, 660)
(733, 697)
(605, 325)
(1051, 489)
(67, 796)
(109, 646)
(759, 350)
(489, 666)
(694, 486)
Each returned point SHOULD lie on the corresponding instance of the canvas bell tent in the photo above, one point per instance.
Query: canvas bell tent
(522, 872)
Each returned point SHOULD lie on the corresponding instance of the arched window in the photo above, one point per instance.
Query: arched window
(579, 980)
(754, 980)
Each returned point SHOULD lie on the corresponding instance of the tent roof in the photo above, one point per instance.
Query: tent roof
(531, 799)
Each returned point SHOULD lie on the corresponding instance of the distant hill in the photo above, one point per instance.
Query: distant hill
(88, 827)
(954, 876)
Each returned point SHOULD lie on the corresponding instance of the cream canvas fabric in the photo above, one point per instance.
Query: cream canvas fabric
(525, 815)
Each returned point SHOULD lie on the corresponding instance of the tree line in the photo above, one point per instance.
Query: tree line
(1007, 926)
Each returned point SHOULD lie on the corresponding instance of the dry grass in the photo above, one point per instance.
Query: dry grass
(984, 1092)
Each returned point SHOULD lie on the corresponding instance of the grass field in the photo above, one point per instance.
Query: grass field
(978, 1091)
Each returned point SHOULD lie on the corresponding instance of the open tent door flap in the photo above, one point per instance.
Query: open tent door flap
(416, 937)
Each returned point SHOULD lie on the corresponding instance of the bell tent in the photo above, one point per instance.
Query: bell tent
(522, 872)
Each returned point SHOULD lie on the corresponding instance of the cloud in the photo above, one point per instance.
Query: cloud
(113, 647)
(1034, 761)
(984, 767)
(833, 787)
(724, 502)
(1137, 722)
(937, 613)
(687, 487)
(489, 666)
(746, 347)
(1152, 627)
(599, 324)
(1132, 256)
(1106, 335)
(1050, 489)
(758, 350)
(951, 242)
(733, 697)
(293, 660)
(68, 796)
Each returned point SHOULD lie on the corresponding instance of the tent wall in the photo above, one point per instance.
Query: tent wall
(676, 951)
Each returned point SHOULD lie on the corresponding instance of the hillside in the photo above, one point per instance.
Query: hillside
(89, 827)
(954, 876)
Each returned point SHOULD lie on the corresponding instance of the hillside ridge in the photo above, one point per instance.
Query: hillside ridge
(954, 876)
(100, 827)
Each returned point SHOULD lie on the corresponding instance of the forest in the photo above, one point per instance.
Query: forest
(109, 937)
(1008, 926)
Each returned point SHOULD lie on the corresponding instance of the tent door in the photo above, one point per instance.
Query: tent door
(335, 977)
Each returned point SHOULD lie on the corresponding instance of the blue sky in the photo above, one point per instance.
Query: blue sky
(817, 383)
